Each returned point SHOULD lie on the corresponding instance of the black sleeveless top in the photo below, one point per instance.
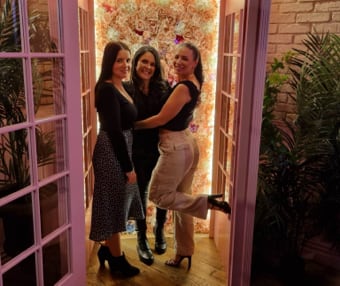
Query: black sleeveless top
(182, 120)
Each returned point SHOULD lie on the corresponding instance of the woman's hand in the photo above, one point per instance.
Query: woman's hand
(178, 98)
(131, 177)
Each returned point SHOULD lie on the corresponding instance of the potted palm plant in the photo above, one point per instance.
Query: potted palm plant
(14, 153)
(316, 81)
(14, 157)
(298, 171)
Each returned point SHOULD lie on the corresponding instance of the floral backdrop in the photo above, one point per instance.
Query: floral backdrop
(163, 24)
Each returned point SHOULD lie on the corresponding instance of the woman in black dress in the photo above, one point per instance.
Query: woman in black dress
(116, 197)
(149, 91)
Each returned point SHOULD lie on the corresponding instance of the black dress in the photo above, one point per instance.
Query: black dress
(114, 201)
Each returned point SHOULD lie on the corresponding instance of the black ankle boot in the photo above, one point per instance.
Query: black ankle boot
(121, 266)
(160, 242)
(143, 248)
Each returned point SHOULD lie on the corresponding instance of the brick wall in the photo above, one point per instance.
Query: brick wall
(290, 21)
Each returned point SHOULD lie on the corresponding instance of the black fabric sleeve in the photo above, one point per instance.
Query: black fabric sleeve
(110, 117)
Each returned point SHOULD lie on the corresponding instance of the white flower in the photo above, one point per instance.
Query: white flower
(112, 34)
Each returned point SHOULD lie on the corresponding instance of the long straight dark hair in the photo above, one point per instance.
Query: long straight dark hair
(109, 57)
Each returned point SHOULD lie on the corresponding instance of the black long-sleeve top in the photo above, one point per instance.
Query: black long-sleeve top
(146, 140)
(116, 114)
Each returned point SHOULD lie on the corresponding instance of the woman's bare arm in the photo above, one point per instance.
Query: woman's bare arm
(178, 98)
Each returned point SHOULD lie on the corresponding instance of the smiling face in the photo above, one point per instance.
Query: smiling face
(146, 66)
(184, 62)
(122, 65)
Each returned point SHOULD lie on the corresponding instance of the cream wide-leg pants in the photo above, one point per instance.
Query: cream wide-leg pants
(170, 185)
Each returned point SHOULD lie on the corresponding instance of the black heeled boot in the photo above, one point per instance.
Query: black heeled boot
(117, 264)
(160, 242)
(121, 266)
(219, 205)
(143, 248)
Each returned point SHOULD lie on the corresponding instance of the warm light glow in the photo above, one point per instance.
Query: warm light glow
(163, 24)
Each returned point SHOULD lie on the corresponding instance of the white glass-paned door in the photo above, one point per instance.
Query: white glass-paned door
(41, 186)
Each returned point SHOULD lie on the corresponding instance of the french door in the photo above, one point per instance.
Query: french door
(239, 95)
(89, 114)
(41, 168)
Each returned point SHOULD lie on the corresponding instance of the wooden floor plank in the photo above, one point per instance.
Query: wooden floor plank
(206, 268)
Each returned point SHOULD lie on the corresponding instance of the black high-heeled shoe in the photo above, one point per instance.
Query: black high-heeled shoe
(177, 263)
(219, 205)
(117, 264)
(103, 255)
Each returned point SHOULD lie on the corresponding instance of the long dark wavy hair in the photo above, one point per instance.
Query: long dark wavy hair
(197, 56)
(156, 81)
(109, 57)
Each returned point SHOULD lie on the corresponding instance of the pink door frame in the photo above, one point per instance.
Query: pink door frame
(238, 254)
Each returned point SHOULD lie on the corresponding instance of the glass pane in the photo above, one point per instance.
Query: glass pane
(229, 156)
(224, 112)
(12, 95)
(235, 129)
(84, 71)
(228, 34)
(236, 33)
(56, 260)
(87, 152)
(220, 180)
(23, 273)
(10, 27)
(233, 76)
(14, 162)
(86, 111)
(53, 206)
(227, 72)
(227, 191)
(222, 147)
(50, 148)
(225, 154)
(232, 163)
(47, 75)
(17, 223)
(83, 31)
(231, 118)
(44, 26)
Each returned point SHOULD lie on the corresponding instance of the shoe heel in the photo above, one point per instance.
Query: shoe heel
(120, 265)
(174, 263)
(189, 263)
(103, 254)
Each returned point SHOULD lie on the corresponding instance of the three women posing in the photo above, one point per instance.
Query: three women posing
(116, 197)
